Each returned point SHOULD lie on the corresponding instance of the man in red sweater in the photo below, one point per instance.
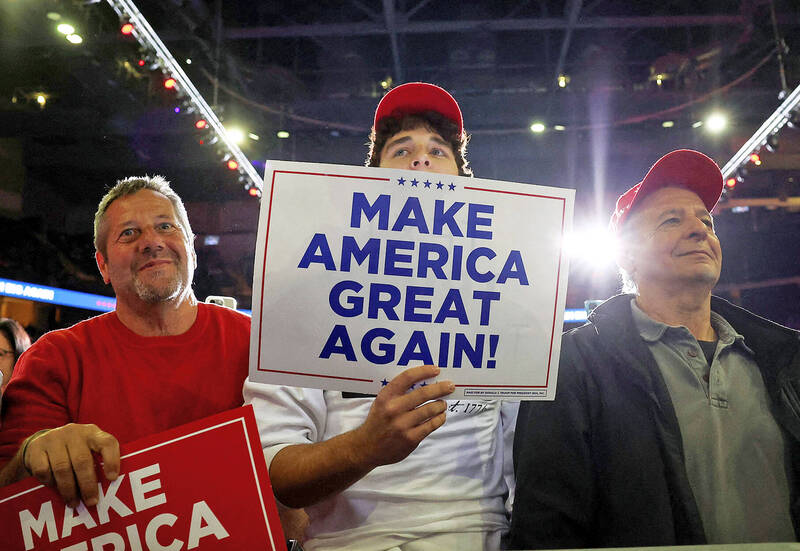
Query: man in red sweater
(158, 361)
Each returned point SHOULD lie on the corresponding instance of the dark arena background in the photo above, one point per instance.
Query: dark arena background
(569, 93)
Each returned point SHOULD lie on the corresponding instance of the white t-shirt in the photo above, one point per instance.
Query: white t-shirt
(459, 479)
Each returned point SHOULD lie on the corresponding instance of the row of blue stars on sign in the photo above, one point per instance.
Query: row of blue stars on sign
(384, 382)
(426, 184)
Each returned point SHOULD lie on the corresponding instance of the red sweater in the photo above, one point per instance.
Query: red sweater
(98, 371)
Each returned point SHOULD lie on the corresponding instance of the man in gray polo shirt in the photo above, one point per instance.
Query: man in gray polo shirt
(676, 413)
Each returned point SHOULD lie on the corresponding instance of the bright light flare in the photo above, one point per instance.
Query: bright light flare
(730, 183)
(236, 134)
(201, 124)
(596, 247)
(716, 123)
(755, 158)
(65, 28)
(232, 164)
(74, 38)
(538, 127)
(282, 134)
(170, 83)
(126, 28)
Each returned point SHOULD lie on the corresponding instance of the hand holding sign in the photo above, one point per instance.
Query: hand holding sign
(62, 457)
(399, 420)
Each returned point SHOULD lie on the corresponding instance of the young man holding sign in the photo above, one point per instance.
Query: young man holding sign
(404, 469)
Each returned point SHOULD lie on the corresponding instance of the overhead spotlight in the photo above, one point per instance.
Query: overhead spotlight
(41, 99)
(188, 61)
(74, 38)
(235, 134)
(177, 109)
(559, 127)
(716, 123)
(772, 143)
(730, 183)
(668, 124)
(170, 83)
(659, 79)
(200, 124)
(53, 16)
(232, 164)
(563, 80)
(538, 127)
(282, 134)
(254, 137)
(126, 28)
(65, 28)
(387, 83)
(697, 124)
(755, 158)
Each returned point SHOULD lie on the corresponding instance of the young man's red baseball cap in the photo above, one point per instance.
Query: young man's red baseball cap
(417, 97)
(682, 168)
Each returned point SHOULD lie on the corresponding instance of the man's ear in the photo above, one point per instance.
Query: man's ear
(102, 266)
(625, 257)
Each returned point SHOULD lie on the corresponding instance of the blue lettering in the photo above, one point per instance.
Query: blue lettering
(452, 307)
(486, 298)
(442, 218)
(387, 305)
(351, 250)
(417, 349)
(425, 262)
(514, 268)
(412, 216)
(462, 347)
(318, 251)
(338, 343)
(393, 257)
(386, 348)
(412, 303)
(362, 205)
(472, 260)
(356, 302)
(473, 221)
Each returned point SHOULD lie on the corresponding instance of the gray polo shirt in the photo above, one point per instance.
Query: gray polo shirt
(734, 450)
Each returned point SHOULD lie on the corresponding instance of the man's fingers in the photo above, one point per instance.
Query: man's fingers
(83, 467)
(61, 466)
(401, 383)
(421, 431)
(38, 464)
(108, 448)
(421, 414)
(424, 394)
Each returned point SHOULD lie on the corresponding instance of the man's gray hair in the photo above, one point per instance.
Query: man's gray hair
(129, 186)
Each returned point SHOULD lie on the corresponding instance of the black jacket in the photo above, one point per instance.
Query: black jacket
(602, 465)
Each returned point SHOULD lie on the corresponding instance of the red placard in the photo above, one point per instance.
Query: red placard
(203, 485)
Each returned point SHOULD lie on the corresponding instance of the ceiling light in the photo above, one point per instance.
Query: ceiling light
(283, 134)
(537, 127)
(559, 127)
(697, 124)
(254, 137)
(53, 16)
(235, 134)
(65, 28)
(74, 38)
(668, 124)
(716, 123)
(563, 80)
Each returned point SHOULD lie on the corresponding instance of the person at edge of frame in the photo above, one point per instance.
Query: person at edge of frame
(675, 420)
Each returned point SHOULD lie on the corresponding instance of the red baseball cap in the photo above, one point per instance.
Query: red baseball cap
(416, 97)
(682, 168)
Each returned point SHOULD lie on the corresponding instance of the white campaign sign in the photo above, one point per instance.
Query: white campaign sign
(361, 273)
